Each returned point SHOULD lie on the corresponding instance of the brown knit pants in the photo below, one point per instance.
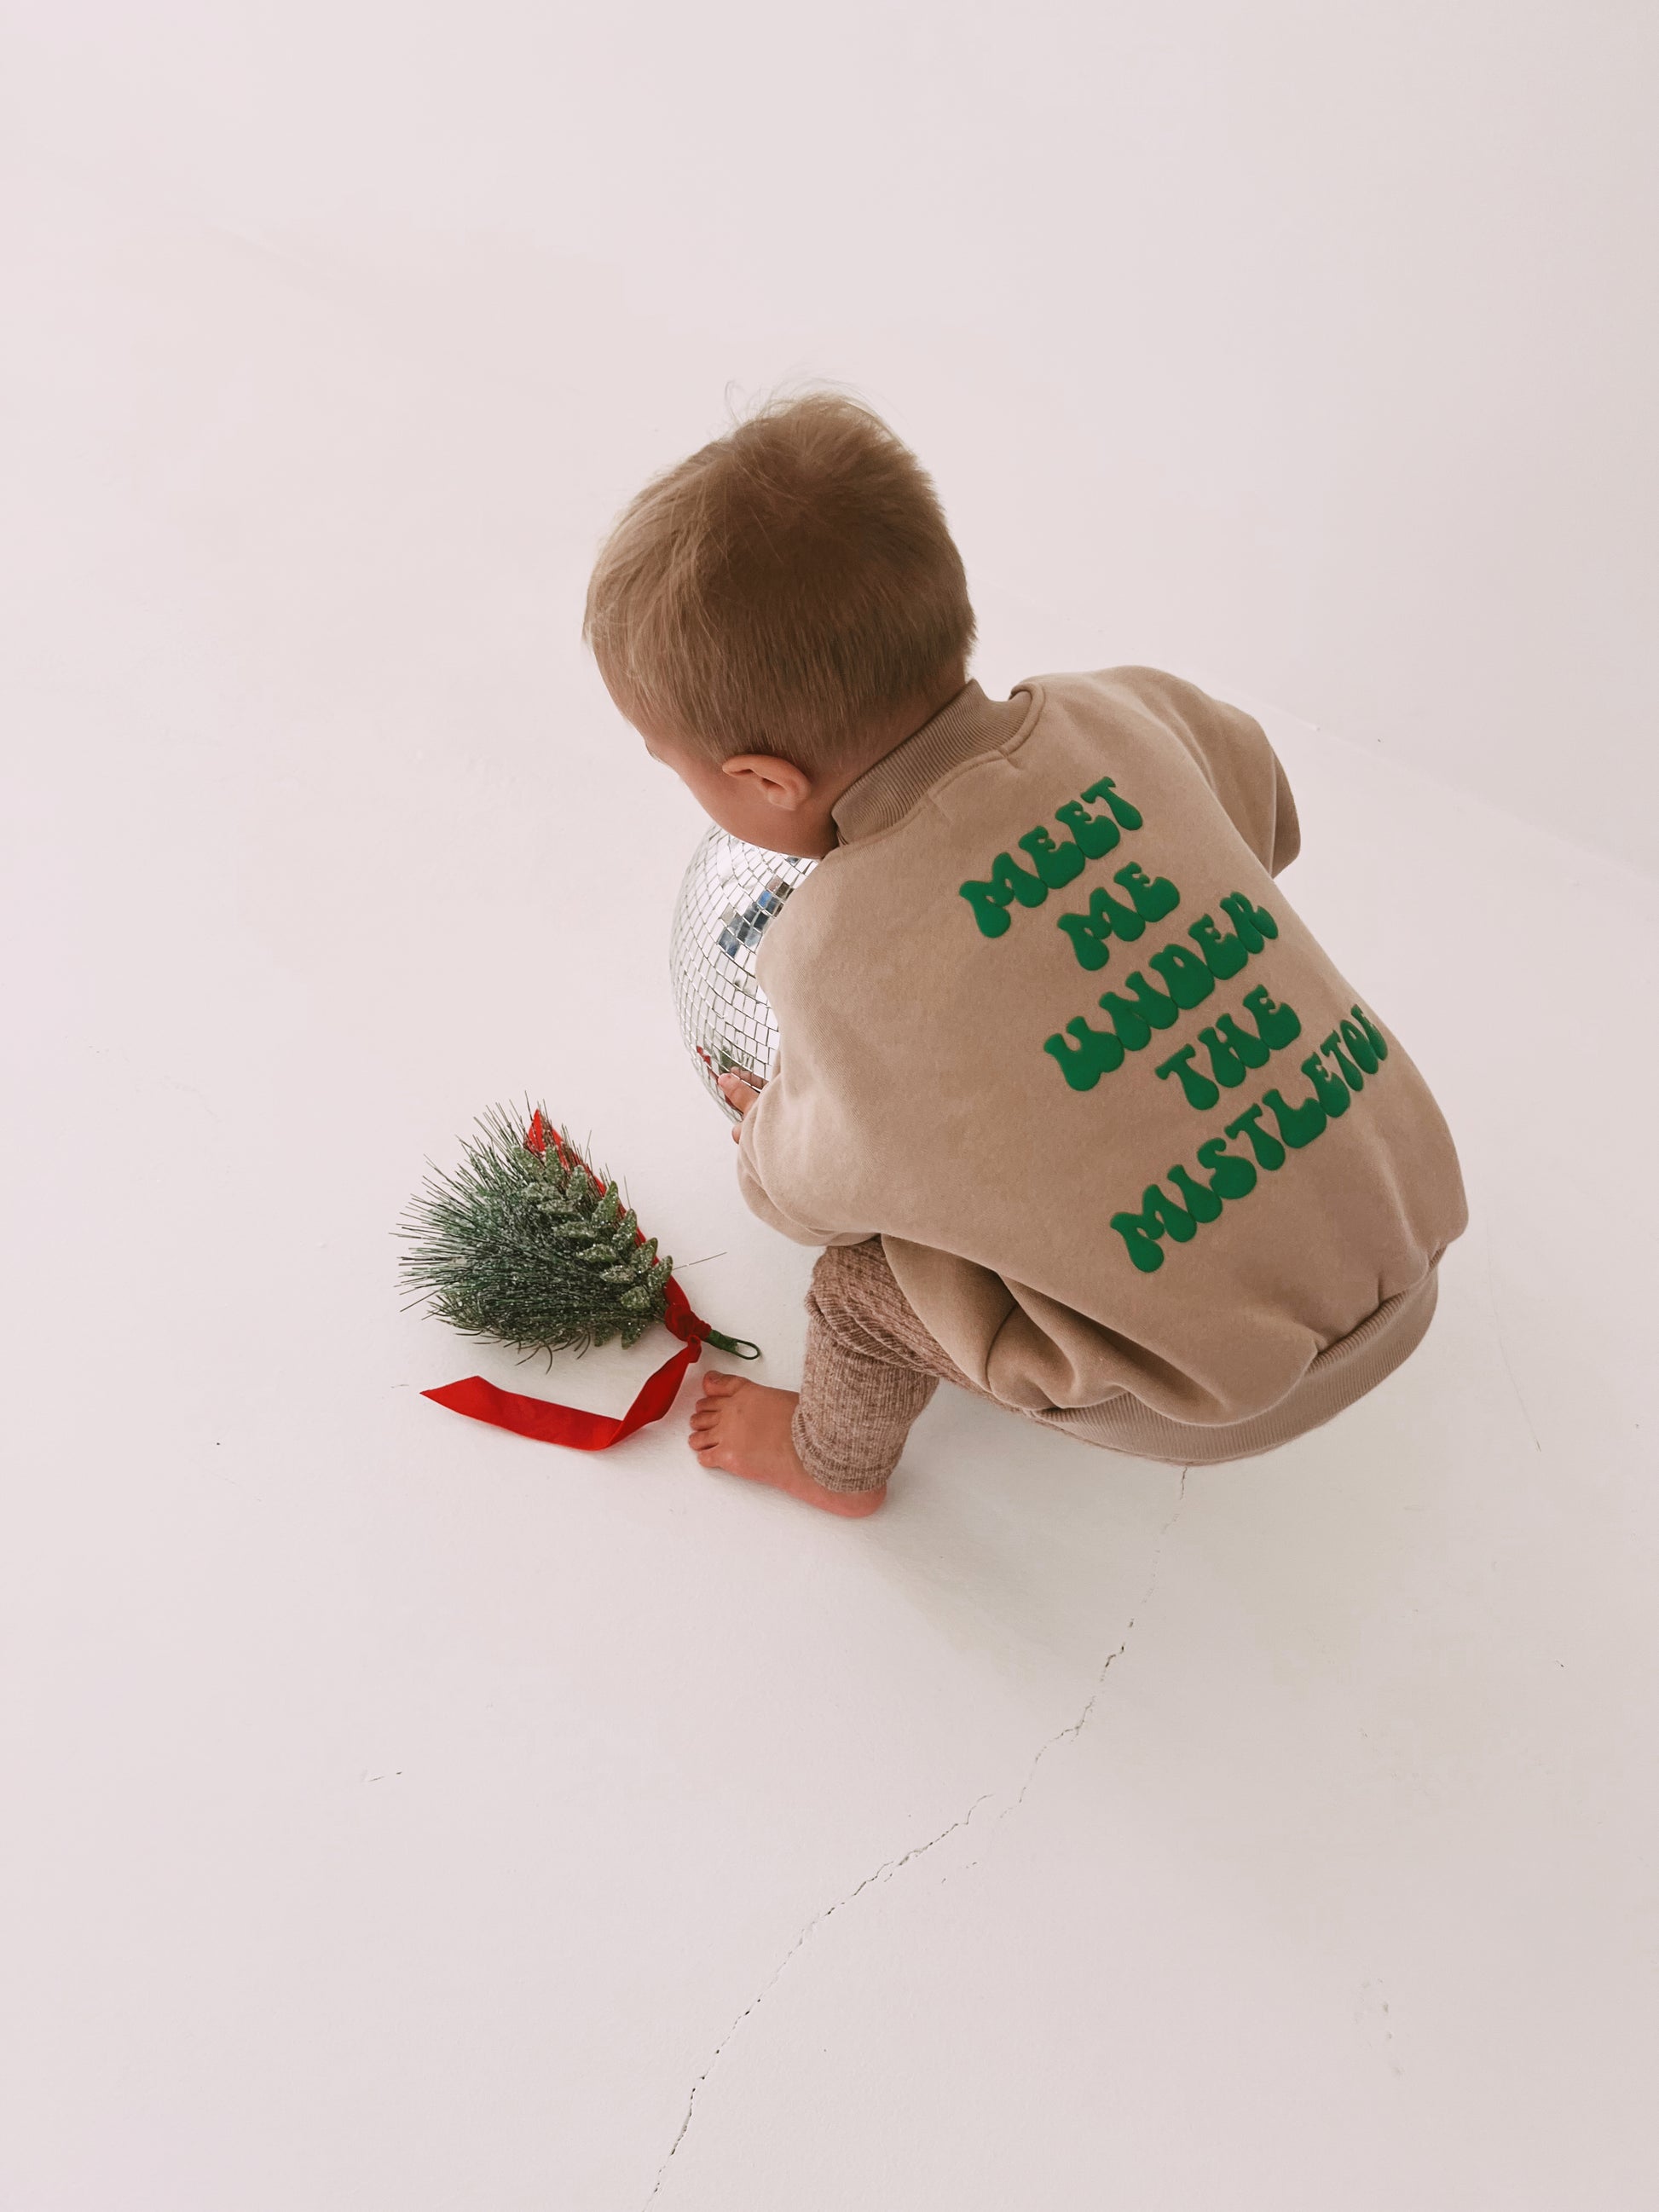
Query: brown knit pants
(870, 1369)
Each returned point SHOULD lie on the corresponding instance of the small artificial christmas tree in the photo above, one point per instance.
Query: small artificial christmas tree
(525, 1243)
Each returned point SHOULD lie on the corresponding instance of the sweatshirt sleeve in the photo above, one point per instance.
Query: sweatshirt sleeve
(758, 1199)
(1239, 764)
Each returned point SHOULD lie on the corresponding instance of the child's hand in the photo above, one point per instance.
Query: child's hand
(740, 1091)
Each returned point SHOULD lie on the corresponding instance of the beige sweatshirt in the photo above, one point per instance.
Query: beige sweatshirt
(1138, 1155)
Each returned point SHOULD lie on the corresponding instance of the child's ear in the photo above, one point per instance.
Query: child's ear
(778, 782)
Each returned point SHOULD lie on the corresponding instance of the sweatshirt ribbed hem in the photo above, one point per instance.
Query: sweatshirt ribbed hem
(1341, 1374)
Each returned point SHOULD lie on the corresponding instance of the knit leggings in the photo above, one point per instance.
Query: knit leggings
(870, 1369)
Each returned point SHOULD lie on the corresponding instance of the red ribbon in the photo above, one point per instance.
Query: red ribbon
(568, 1425)
(548, 1424)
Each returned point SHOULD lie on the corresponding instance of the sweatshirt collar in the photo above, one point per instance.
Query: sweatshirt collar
(966, 724)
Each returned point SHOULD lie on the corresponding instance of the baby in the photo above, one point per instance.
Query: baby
(1083, 1116)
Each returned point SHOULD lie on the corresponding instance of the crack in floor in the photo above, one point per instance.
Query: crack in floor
(885, 1871)
(889, 1868)
(1073, 1728)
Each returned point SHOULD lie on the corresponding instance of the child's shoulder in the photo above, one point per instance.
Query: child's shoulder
(1134, 689)
(1152, 708)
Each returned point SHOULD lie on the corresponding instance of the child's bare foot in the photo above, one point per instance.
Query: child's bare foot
(744, 1427)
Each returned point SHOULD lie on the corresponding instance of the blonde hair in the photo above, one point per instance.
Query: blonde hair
(782, 588)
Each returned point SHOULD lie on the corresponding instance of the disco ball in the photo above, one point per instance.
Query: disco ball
(732, 895)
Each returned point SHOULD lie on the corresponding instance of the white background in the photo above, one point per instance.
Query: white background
(404, 1817)
(1312, 344)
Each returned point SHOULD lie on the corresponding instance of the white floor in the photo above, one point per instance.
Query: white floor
(404, 1818)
